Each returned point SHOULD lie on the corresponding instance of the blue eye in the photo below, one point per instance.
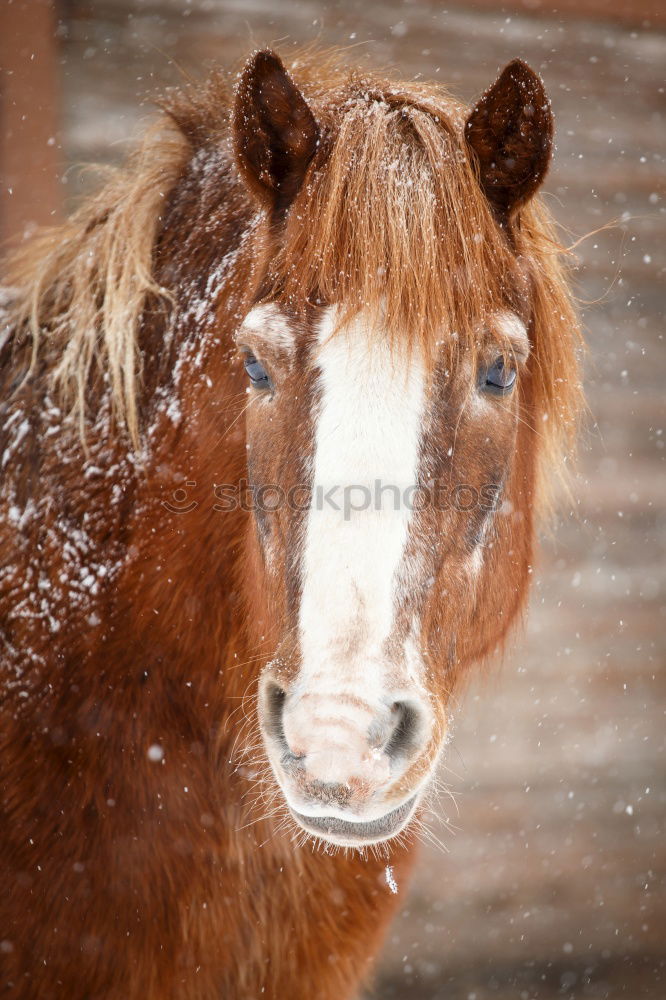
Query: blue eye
(256, 372)
(500, 377)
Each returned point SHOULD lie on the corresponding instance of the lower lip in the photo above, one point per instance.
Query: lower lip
(341, 831)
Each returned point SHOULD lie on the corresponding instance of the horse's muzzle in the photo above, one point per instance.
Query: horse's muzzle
(342, 761)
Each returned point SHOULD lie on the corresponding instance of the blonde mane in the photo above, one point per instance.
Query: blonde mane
(79, 290)
(391, 218)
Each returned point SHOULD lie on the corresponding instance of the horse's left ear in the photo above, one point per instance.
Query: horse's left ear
(274, 132)
(511, 132)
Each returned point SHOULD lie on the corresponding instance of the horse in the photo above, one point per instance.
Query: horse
(280, 407)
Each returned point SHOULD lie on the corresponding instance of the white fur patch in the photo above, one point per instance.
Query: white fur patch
(514, 328)
(368, 429)
(269, 322)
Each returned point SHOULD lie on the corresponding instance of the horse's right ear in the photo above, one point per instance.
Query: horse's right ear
(275, 134)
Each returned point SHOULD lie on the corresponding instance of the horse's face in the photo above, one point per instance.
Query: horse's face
(377, 479)
(380, 479)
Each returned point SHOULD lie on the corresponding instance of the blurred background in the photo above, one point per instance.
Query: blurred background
(551, 881)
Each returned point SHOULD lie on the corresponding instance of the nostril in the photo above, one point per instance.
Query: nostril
(275, 698)
(274, 703)
(403, 740)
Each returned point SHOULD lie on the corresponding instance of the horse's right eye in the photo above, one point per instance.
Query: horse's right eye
(256, 372)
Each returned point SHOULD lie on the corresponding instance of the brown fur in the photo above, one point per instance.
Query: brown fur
(124, 625)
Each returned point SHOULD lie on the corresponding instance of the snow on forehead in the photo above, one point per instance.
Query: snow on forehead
(270, 322)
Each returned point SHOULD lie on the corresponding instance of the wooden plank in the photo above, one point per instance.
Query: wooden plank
(30, 189)
(642, 13)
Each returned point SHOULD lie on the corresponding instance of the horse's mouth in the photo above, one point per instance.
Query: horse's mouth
(348, 833)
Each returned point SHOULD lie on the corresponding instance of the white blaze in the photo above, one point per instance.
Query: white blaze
(368, 430)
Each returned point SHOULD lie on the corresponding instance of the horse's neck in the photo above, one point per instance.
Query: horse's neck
(170, 597)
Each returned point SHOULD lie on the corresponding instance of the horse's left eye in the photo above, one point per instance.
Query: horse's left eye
(500, 377)
(256, 372)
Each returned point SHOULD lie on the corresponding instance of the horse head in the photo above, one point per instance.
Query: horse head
(399, 381)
